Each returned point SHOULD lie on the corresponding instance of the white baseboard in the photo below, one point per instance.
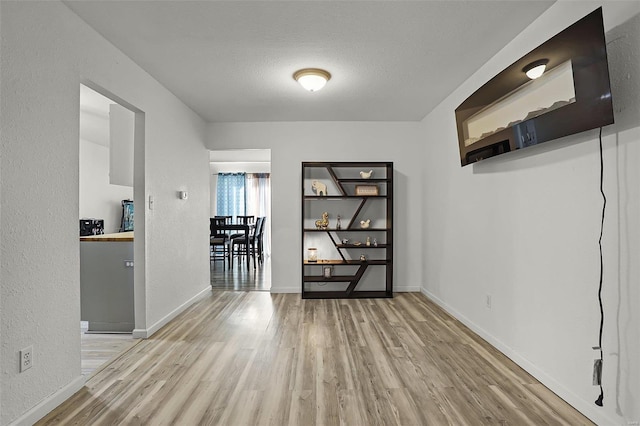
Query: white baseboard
(286, 290)
(145, 333)
(585, 407)
(51, 402)
(407, 289)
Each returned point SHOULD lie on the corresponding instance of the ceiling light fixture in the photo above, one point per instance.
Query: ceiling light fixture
(312, 79)
(535, 69)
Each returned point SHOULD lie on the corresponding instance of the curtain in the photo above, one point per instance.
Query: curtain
(231, 199)
(258, 190)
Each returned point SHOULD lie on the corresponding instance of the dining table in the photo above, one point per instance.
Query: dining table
(229, 227)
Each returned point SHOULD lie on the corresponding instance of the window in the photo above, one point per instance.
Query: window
(231, 199)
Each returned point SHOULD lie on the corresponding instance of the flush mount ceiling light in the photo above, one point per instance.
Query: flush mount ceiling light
(535, 69)
(312, 79)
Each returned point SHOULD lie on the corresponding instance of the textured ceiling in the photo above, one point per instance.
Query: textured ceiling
(233, 60)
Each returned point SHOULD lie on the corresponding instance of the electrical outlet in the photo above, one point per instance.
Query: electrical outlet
(26, 358)
(487, 301)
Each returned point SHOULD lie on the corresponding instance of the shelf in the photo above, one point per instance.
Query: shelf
(346, 262)
(347, 230)
(333, 279)
(361, 180)
(341, 294)
(342, 179)
(361, 246)
(347, 164)
(342, 197)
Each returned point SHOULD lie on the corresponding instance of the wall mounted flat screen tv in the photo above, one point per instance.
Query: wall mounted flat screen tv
(513, 111)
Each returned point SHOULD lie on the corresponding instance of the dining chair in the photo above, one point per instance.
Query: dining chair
(242, 220)
(218, 240)
(259, 240)
(227, 219)
(245, 220)
(241, 243)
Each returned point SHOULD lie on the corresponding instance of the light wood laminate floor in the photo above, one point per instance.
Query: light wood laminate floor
(255, 358)
(99, 349)
(241, 278)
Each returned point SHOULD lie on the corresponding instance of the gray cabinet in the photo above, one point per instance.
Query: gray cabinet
(106, 285)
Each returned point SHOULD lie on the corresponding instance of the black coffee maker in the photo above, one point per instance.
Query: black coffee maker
(91, 227)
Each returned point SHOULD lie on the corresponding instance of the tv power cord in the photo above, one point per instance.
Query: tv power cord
(597, 366)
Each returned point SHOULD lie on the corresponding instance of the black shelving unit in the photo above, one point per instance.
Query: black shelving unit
(350, 276)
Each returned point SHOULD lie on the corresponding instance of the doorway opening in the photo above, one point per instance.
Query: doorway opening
(240, 187)
(109, 133)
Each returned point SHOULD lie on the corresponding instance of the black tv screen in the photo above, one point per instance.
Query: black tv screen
(513, 111)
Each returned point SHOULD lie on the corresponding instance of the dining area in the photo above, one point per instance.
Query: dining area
(240, 226)
(237, 241)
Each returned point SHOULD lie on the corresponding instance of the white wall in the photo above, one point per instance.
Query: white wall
(524, 229)
(121, 143)
(292, 143)
(47, 51)
(98, 198)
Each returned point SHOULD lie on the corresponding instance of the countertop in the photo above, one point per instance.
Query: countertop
(119, 236)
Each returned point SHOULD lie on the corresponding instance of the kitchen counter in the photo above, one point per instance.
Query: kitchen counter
(119, 236)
